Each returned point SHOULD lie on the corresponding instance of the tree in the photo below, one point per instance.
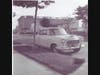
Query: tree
(82, 14)
(45, 22)
(68, 22)
(32, 3)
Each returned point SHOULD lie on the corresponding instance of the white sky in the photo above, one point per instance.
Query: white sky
(61, 8)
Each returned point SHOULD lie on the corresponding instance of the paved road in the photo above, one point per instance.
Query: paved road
(24, 66)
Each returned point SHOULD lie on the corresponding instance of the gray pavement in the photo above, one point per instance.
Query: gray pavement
(24, 66)
(83, 70)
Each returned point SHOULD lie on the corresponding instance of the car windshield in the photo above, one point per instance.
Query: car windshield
(59, 31)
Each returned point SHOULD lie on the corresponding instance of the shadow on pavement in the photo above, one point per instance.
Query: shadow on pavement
(63, 64)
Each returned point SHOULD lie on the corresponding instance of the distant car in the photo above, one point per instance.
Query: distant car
(58, 40)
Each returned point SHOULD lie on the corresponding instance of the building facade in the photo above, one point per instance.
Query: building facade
(26, 23)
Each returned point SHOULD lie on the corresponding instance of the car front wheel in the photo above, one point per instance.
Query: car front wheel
(53, 48)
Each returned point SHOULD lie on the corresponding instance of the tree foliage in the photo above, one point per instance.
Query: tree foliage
(31, 3)
(68, 23)
(45, 22)
(82, 13)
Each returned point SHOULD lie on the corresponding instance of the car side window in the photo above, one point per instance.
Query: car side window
(51, 32)
(43, 32)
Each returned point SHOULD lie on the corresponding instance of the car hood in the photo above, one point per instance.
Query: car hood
(68, 37)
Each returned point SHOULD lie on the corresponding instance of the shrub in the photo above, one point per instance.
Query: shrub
(45, 22)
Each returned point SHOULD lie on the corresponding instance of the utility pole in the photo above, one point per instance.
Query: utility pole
(36, 9)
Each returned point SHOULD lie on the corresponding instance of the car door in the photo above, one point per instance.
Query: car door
(43, 38)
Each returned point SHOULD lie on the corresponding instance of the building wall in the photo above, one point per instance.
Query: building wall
(27, 23)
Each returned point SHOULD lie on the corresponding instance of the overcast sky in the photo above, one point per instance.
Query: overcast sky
(61, 8)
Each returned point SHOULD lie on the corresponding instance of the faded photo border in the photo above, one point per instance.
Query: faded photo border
(24, 47)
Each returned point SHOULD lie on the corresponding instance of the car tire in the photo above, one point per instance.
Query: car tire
(53, 48)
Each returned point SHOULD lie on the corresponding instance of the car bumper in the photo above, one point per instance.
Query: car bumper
(68, 49)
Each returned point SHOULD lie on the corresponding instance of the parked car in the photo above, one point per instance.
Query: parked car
(58, 40)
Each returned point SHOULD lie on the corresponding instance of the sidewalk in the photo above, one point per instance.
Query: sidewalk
(24, 66)
(55, 62)
(83, 70)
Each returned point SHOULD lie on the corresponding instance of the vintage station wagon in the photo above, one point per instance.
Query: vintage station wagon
(58, 40)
